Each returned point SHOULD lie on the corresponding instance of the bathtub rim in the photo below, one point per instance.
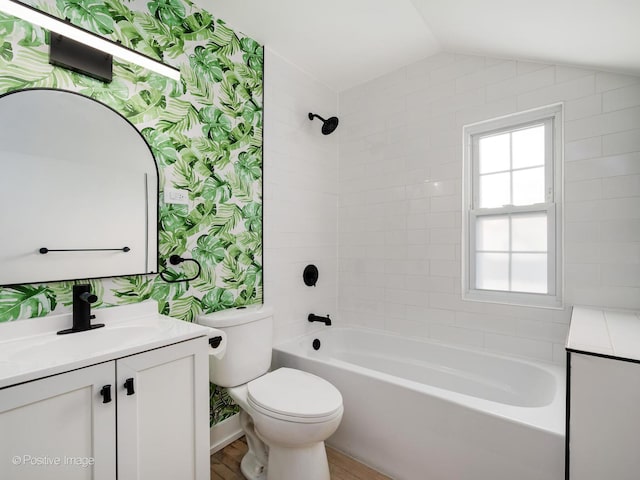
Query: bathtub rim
(548, 418)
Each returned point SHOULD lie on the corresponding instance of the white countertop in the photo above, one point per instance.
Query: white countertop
(31, 349)
(605, 332)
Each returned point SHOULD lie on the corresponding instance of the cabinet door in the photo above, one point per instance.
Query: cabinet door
(604, 419)
(56, 427)
(163, 416)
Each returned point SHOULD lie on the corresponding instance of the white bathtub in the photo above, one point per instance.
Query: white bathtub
(419, 410)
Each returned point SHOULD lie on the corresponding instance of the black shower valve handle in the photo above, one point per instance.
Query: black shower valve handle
(310, 275)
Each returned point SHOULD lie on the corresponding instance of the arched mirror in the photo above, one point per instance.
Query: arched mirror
(77, 180)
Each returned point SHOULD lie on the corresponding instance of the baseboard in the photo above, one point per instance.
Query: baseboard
(225, 432)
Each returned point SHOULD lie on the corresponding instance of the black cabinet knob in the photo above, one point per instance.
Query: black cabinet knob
(128, 384)
(106, 393)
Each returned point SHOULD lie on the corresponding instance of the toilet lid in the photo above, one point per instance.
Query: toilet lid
(294, 393)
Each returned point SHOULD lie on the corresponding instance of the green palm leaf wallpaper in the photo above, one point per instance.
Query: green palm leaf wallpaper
(205, 132)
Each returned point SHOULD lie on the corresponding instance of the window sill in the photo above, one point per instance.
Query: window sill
(531, 300)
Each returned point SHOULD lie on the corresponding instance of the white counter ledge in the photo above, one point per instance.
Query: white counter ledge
(605, 332)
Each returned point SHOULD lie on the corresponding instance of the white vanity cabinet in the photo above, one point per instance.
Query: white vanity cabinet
(47, 425)
(154, 426)
(603, 362)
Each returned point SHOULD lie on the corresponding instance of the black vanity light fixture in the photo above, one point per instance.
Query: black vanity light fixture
(79, 46)
(79, 57)
(328, 125)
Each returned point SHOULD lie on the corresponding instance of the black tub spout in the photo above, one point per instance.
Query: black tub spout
(316, 318)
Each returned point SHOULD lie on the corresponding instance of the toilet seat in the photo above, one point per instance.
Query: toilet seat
(294, 396)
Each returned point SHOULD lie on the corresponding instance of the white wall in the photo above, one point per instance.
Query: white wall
(400, 178)
(300, 197)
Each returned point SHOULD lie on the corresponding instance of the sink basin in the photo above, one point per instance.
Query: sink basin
(31, 349)
(79, 345)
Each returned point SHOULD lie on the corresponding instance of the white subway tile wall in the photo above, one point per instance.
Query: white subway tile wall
(399, 198)
(300, 197)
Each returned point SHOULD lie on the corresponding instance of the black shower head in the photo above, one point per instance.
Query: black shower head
(328, 126)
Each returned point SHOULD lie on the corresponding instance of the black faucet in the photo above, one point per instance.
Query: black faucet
(82, 300)
(315, 318)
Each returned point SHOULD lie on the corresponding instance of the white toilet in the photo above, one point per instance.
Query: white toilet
(286, 414)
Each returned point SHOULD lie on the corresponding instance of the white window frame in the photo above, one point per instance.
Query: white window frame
(552, 117)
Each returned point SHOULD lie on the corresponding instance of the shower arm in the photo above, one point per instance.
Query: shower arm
(314, 115)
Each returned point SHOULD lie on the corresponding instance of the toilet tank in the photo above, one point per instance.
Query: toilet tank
(249, 333)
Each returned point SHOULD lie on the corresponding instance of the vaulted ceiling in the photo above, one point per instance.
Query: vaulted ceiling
(346, 42)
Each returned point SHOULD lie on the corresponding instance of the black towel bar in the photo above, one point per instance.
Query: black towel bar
(44, 250)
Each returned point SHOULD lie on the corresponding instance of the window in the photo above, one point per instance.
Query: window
(512, 209)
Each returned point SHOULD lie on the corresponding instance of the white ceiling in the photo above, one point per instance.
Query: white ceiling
(346, 42)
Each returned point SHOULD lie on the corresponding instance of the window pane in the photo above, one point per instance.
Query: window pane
(494, 153)
(492, 271)
(529, 232)
(528, 147)
(492, 233)
(495, 190)
(529, 272)
(528, 186)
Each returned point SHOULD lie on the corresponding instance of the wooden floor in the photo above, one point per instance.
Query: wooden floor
(225, 465)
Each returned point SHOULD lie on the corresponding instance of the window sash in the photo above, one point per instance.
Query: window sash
(548, 158)
(549, 210)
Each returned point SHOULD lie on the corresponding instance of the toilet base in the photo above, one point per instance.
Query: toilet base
(308, 463)
(254, 463)
(251, 468)
(275, 462)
